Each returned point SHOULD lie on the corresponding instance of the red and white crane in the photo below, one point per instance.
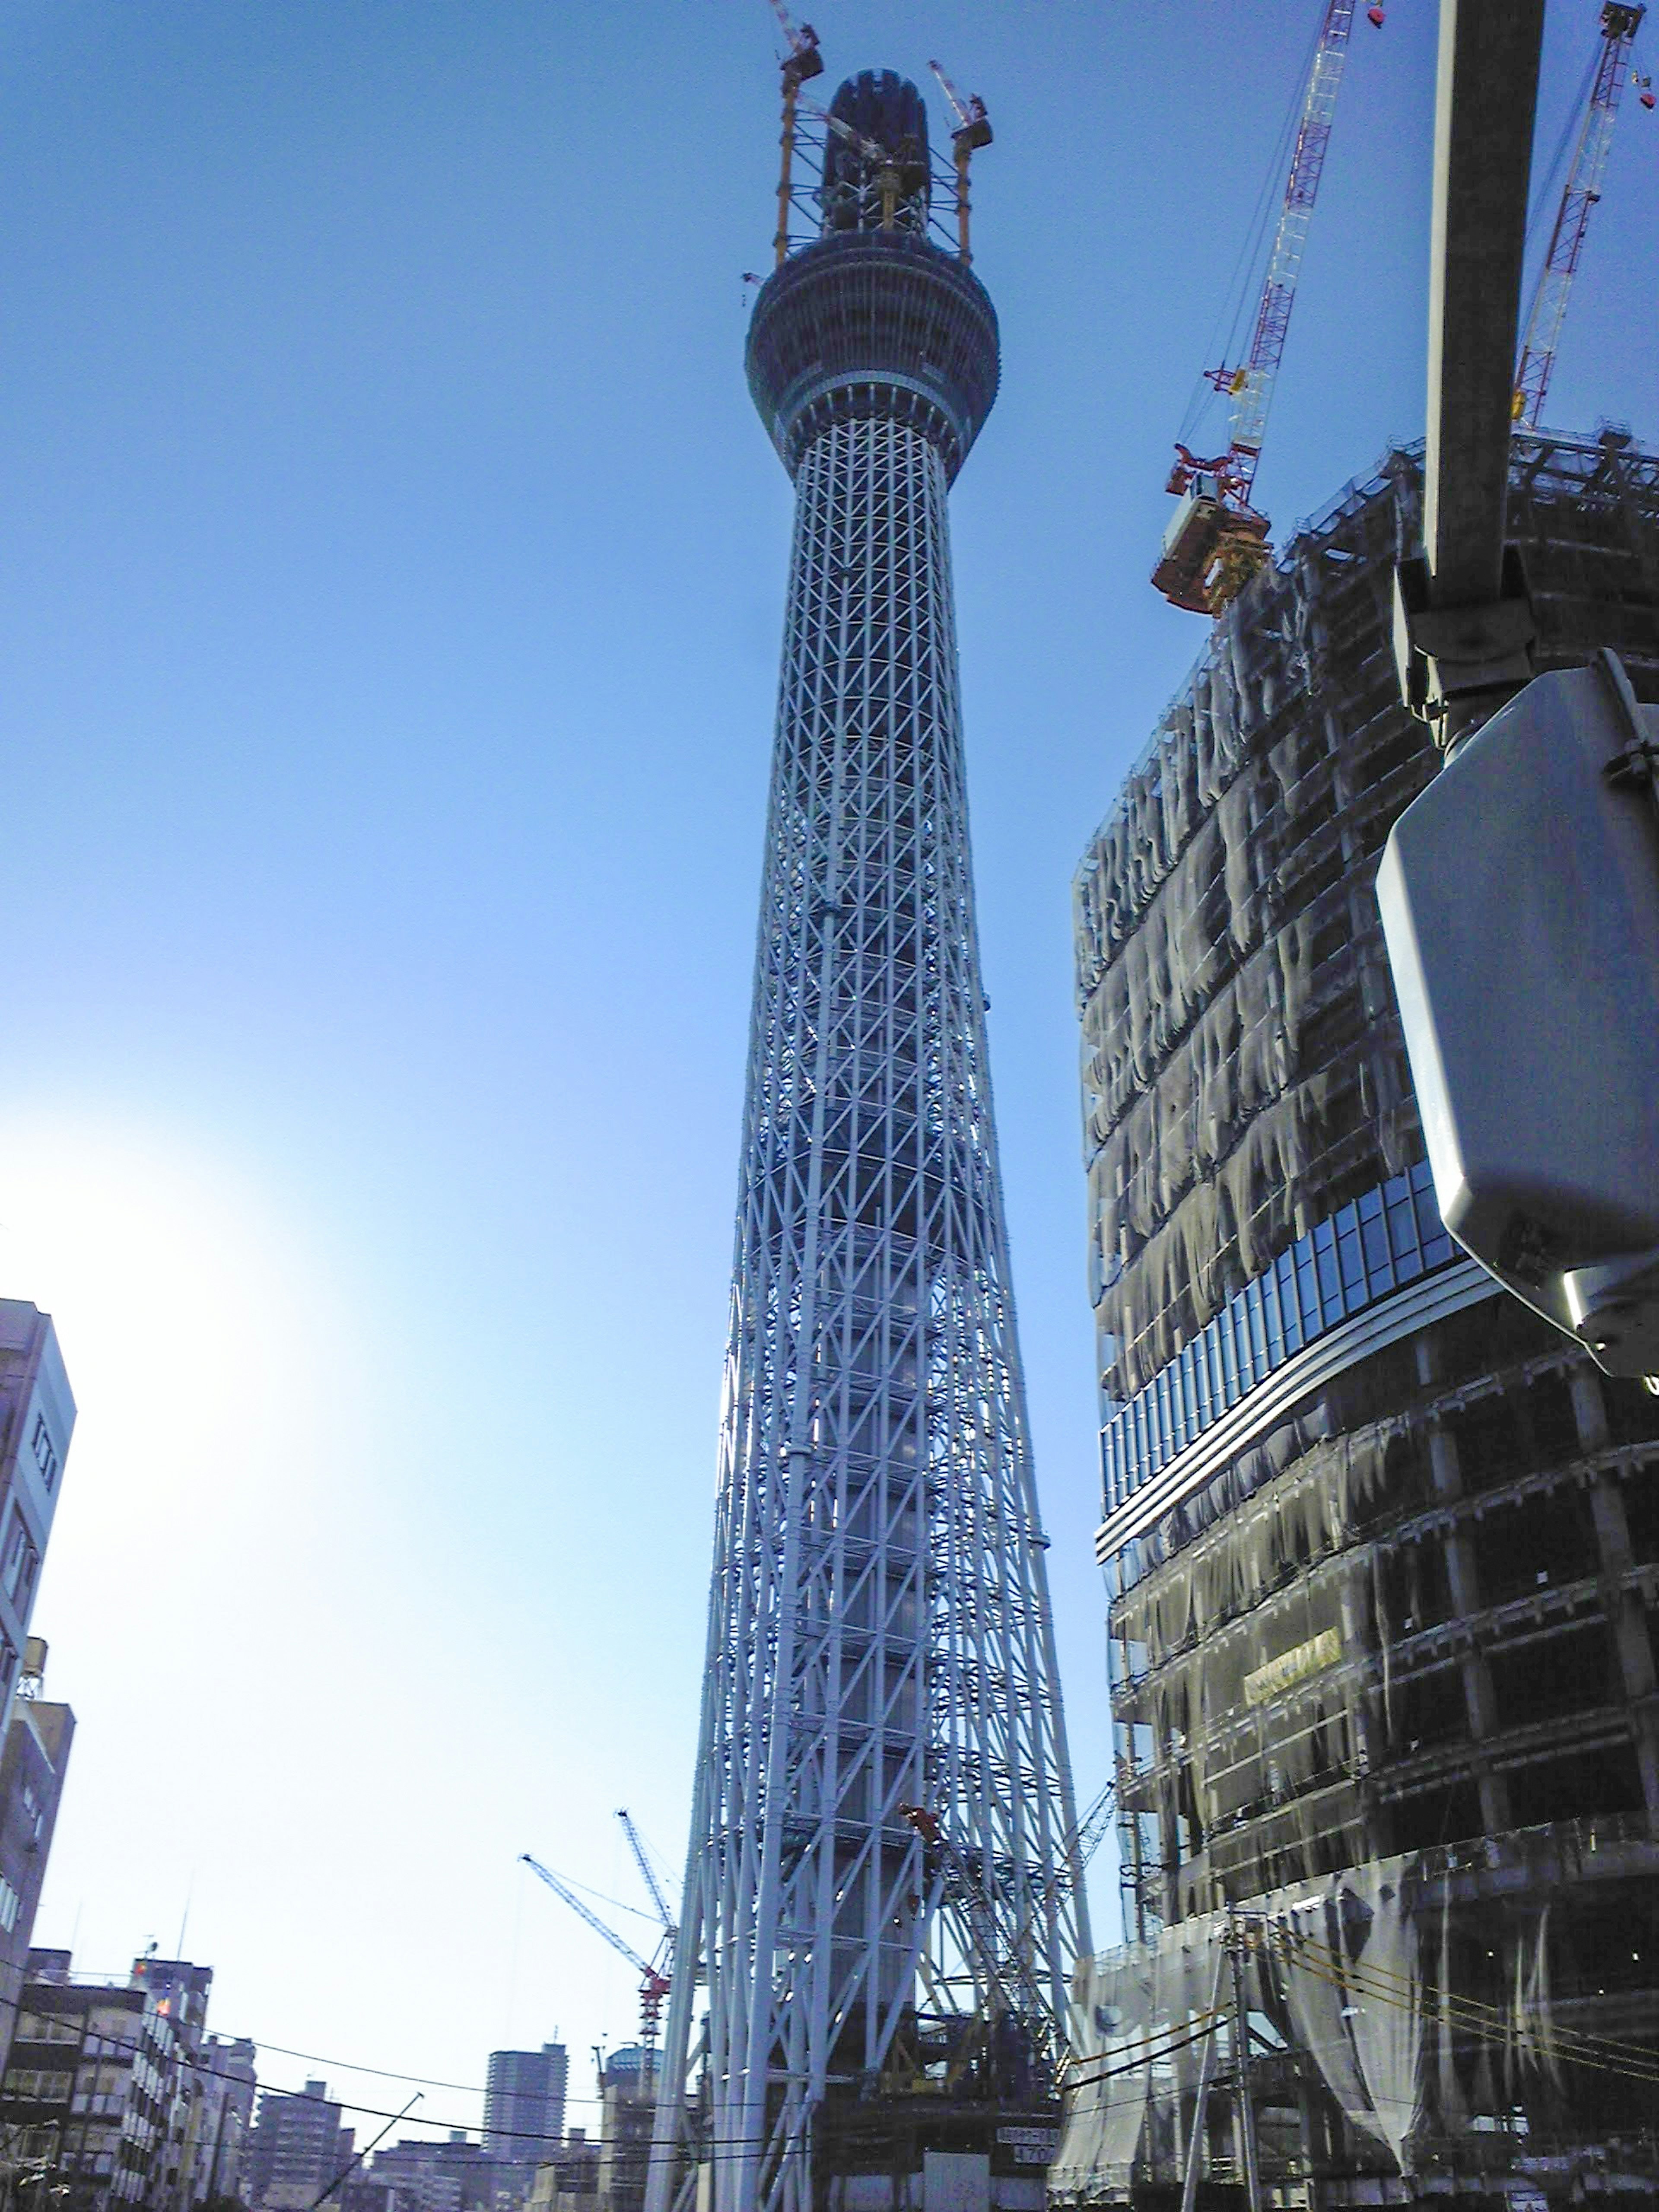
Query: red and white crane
(1218, 540)
(655, 1974)
(1619, 26)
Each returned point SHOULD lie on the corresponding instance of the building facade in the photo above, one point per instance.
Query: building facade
(227, 2084)
(1382, 1549)
(456, 2175)
(89, 2100)
(882, 1754)
(299, 2148)
(524, 2102)
(32, 1771)
(37, 1420)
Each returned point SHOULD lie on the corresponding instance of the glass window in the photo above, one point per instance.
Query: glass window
(1258, 1329)
(1285, 1268)
(1374, 1236)
(1217, 1366)
(1330, 1282)
(1275, 1324)
(1403, 1231)
(1307, 1288)
(1350, 1260)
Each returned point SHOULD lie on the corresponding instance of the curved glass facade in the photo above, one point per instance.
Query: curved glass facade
(1387, 1237)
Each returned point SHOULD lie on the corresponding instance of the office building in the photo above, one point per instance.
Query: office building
(524, 2102)
(1382, 1547)
(299, 2148)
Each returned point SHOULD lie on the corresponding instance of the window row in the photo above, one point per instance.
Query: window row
(38, 2086)
(1385, 1239)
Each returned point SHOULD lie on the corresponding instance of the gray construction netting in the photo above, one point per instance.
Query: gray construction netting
(1412, 2011)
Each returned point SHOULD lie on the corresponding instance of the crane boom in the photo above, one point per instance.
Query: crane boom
(1217, 540)
(563, 1889)
(646, 1874)
(1252, 387)
(1619, 26)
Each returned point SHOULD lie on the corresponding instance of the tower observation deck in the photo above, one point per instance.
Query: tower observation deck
(881, 1893)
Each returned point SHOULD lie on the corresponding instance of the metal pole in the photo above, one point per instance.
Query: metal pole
(1463, 624)
(1242, 2065)
(1205, 2074)
(1485, 99)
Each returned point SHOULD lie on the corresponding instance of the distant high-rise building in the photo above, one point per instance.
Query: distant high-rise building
(1382, 1547)
(882, 1771)
(524, 2102)
(299, 2148)
(37, 1419)
(32, 1770)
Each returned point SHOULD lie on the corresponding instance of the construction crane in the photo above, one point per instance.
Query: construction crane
(1000, 1944)
(973, 130)
(647, 1875)
(1619, 26)
(1001, 1953)
(655, 1973)
(895, 173)
(1217, 539)
(801, 61)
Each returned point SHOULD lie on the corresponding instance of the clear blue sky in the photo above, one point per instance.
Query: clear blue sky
(393, 581)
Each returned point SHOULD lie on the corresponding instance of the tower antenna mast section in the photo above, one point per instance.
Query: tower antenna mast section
(1619, 26)
(1218, 540)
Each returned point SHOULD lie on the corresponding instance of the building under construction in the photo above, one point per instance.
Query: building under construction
(1382, 1549)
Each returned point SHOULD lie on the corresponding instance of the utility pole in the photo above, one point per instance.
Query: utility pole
(1235, 1941)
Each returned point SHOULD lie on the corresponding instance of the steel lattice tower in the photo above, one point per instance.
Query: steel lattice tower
(879, 1635)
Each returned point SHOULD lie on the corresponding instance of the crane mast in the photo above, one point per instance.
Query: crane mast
(1218, 540)
(1620, 25)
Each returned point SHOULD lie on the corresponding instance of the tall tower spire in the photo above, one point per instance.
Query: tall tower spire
(880, 1879)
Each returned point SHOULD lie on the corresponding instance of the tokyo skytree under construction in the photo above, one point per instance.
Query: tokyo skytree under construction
(881, 1903)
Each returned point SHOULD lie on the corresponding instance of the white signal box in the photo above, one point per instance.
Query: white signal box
(1520, 899)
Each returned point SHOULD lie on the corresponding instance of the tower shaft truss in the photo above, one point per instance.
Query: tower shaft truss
(879, 1631)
